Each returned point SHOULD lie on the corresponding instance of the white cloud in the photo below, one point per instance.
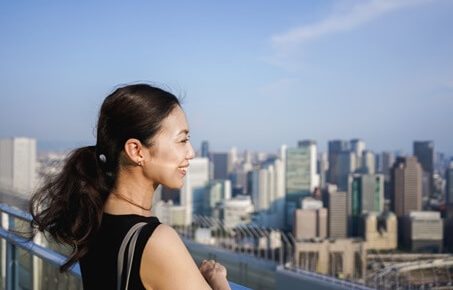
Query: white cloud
(356, 15)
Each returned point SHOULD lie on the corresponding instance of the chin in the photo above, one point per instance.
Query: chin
(175, 185)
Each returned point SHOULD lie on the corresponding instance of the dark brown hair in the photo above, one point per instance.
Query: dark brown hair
(69, 205)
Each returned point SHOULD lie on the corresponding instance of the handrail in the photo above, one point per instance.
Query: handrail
(47, 254)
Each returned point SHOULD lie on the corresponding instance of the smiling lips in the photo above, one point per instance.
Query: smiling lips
(183, 170)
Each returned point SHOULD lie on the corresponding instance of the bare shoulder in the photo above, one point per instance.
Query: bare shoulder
(167, 264)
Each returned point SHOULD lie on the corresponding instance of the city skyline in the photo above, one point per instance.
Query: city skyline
(255, 75)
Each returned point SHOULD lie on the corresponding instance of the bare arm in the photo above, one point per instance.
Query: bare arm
(166, 263)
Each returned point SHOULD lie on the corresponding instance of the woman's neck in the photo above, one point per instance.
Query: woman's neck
(130, 195)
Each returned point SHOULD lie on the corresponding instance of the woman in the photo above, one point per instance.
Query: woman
(104, 190)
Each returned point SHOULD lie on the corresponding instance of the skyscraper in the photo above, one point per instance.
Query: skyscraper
(218, 191)
(449, 190)
(335, 147)
(198, 175)
(407, 185)
(388, 158)
(337, 214)
(449, 205)
(18, 164)
(424, 151)
(366, 195)
(368, 162)
(220, 161)
(205, 149)
(346, 164)
(301, 177)
(358, 148)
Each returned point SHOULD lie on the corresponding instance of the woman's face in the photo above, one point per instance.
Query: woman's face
(171, 151)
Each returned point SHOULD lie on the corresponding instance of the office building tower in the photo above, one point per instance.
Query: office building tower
(337, 214)
(322, 169)
(388, 158)
(449, 208)
(424, 151)
(262, 188)
(232, 159)
(301, 177)
(18, 165)
(423, 232)
(218, 190)
(335, 147)
(357, 146)
(346, 164)
(449, 190)
(240, 185)
(368, 162)
(205, 149)
(198, 175)
(220, 162)
(407, 186)
(366, 193)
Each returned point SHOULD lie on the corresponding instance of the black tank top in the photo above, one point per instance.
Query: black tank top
(98, 266)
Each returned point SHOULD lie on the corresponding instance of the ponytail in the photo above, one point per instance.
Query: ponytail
(69, 205)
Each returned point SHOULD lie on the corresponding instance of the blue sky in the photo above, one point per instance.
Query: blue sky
(253, 74)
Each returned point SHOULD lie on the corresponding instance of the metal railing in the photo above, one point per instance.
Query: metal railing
(23, 261)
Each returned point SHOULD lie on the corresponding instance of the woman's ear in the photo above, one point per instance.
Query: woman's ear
(133, 151)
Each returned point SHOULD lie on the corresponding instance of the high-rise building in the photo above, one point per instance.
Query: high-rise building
(198, 175)
(337, 214)
(366, 193)
(323, 167)
(388, 158)
(358, 146)
(220, 161)
(18, 165)
(449, 207)
(407, 186)
(232, 159)
(335, 147)
(346, 164)
(449, 190)
(218, 190)
(424, 151)
(205, 149)
(262, 187)
(301, 177)
(368, 162)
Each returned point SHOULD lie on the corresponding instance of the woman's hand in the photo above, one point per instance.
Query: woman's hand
(215, 274)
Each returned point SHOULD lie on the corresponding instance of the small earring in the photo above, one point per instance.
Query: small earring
(139, 163)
